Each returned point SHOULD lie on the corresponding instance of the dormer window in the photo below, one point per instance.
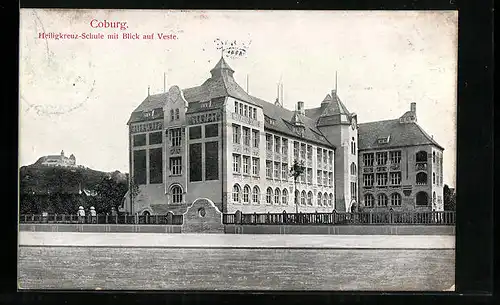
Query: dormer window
(383, 140)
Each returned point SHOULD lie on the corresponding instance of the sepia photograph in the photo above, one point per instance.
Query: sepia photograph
(237, 150)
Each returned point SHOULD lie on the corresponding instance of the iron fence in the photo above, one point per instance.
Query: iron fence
(340, 218)
(169, 219)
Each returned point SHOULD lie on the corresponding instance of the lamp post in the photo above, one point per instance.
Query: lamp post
(296, 170)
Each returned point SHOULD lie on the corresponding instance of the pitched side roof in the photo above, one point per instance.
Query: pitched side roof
(408, 134)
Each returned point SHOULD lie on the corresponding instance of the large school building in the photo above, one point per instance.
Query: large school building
(218, 142)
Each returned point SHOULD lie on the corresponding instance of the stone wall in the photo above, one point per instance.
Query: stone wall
(202, 217)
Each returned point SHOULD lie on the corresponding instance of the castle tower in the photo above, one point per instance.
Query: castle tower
(340, 128)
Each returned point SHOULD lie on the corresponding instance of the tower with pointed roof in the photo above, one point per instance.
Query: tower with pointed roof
(339, 126)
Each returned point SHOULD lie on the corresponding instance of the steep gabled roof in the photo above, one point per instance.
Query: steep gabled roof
(400, 134)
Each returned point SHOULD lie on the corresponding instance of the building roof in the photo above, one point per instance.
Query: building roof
(330, 106)
(399, 134)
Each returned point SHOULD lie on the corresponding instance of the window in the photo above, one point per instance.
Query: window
(303, 198)
(277, 145)
(382, 200)
(381, 158)
(421, 156)
(330, 179)
(284, 197)
(433, 178)
(276, 170)
(140, 166)
(195, 132)
(256, 138)
(319, 175)
(368, 159)
(245, 110)
(277, 196)
(381, 179)
(319, 155)
(330, 157)
(296, 149)
(368, 200)
(434, 198)
(269, 142)
(353, 169)
(319, 200)
(176, 166)
(176, 194)
(309, 175)
(256, 194)
(195, 162)
(177, 114)
(309, 152)
(211, 130)
(310, 198)
(395, 156)
(368, 179)
(354, 190)
(236, 193)
(236, 163)
(395, 199)
(396, 178)
(269, 169)
(246, 194)
(353, 146)
(254, 113)
(212, 161)
(155, 138)
(325, 178)
(175, 137)
(433, 157)
(241, 108)
(284, 171)
(236, 107)
(236, 134)
(246, 165)
(325, 199)
(302, 151)
(284, 146)
(172, 117)
(422, 198)
(269, 195)
(421, 178)
(255, 166)
(246, 136)
(139, 140)
(330, 200)
(325, 156)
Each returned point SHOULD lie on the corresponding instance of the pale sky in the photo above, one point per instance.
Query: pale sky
(77, 95)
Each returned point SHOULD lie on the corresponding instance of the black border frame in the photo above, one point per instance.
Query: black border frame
(474, 238)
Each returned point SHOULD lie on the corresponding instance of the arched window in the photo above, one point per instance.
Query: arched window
(172, 115)
(421, 178)
(368, 200)
(353, 169)
(421, 156)
(256, 195)
(146, 213)
(176, 194)
(310, 198)
(325, 199)
(330, 200)
(382, 200)
(269, 195)
(396, 199)
(236, 193)
(277, 195)
(177, 113)
(422, 198)
(319, 200)
(284, 197)
(433, 178)
(434, 198)
(246, 194)
(303, 198)
(433, 157)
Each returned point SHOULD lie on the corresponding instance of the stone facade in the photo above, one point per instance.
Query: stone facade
(202, 217)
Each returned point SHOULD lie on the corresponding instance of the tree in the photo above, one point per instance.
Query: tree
(296, 170)
(110, 193)
(449, 197)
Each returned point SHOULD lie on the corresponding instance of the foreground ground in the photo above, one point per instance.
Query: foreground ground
(45, 267)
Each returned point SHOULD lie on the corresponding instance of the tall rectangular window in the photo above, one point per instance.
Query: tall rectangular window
(241, 109)
(368, 179)
(395, 156)
(309, 175)
(319, 176)
(236, 163)
(354, 190)
(284, 146)
(277, 144)
(236, 107)
(284, 171)
(245, 110)
(319, 155)
(302, 151)
(269, 142)
(155, 138)
(381, 158)
(155, 166)
(246, 165)
(256, 138)
(140, 166)
(176, 166)
(330, 179)
(195, 162)
(175, 137)
(396, 178)
(277, 170)
(255, 166)
(330, 157)
(381, 179)
(212, 160)
(236, 134)
(269, 169)
(246, 136)
(309, 152)
(139, 140)
(325, 178)
(211, 130)
(368, 159)
(325, 156)
(296, 150)
(195, 132)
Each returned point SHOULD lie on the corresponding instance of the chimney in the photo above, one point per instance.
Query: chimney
(300, 108)
(413, 107)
